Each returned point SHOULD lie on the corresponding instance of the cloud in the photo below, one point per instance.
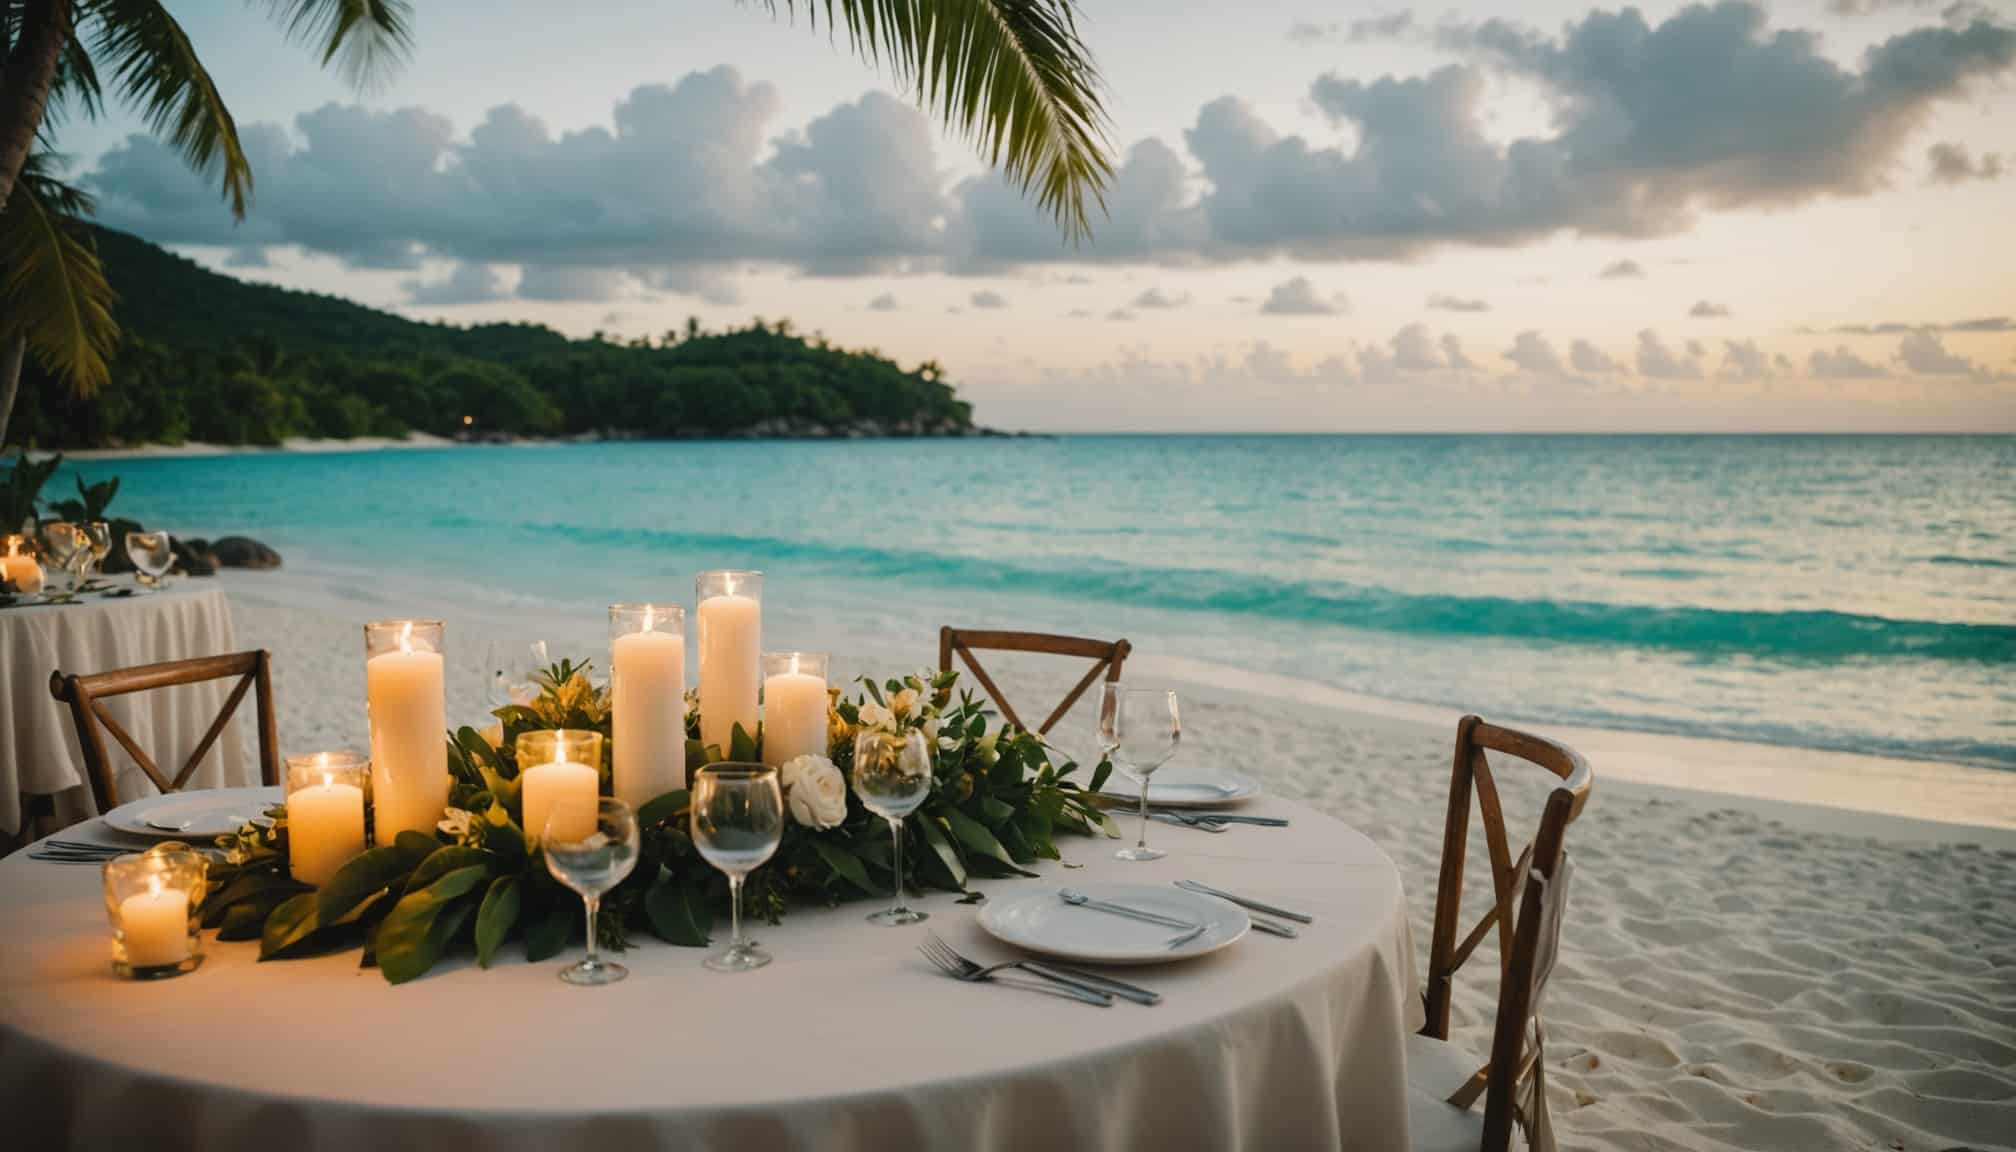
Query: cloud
(1658, 362)
(1708, 310)
(1898, 327)
(1925, 354)
(1530, 352)
(248, 256)
(1297, 297)
(1744, 360)
(988, 299)
(886, 302)
(1446, 303)
(1951, 164)
(1120, 314)
(562, 282)
(1360, 31)
(1842, 364)
(1413, 352)
(467, 283)
(1586, 357)
(1621, 270)
(1154, 298)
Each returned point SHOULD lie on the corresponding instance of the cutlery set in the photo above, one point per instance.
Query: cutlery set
(77, 852)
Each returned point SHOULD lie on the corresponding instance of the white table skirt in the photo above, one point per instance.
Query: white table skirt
(849, 1041)
(38, 741)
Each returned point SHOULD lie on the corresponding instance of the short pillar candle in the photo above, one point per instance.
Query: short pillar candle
(152, 898)
(559, 780)
(325, 813)
(794, 706)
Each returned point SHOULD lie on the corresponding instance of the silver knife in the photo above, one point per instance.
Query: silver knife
(1244, 902)
(1188, 814)
(1118, 988)
(1271, 927)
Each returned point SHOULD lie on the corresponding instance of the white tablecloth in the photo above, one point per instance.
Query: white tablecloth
(38, 740)
(849, 1041)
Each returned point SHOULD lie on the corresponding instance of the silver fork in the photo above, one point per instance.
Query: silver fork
(950, 962)
(1188, 822)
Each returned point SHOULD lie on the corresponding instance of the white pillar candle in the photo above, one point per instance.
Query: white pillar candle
(731, 650)
(647, 701)
(794, 715)
(566, 788)
(155, 925)
(409, 751)
(325, 829)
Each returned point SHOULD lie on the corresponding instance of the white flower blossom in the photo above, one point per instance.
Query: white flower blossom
(874, 715)
(455, 822)
(815, 791)
(904, 702)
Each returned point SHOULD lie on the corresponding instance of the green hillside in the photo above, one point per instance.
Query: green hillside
(207, 357)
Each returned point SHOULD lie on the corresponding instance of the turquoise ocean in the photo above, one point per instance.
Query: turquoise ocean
(1854, 593)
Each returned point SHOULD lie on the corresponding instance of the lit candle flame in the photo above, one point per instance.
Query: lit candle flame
(794, 663)
(728, 583)
(647, 617)
(406, 637)
(154, 885)
(328, 780)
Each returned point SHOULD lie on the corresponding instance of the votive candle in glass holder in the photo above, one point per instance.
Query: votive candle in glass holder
(405, 686)
(152, 898)
(559, 774)
(647, 700)
(730, 628)
(325, 813)
(18, 565)
(794, 706)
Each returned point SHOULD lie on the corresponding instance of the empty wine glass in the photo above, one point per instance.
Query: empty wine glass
(738, 820)
(98, 536)
(1139, 729)
(506, 681)
(892, 775)
(65, 543)
(591, 865)
(152, 553)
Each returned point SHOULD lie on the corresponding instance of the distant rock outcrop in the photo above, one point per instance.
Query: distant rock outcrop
(243, 552)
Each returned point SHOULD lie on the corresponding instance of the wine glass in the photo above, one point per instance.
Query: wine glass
(65, 542)
(591, 864)
(892, 775)
(152, 553)
(738, 820)
(98, 536)
(1139, 729)
(506, 682)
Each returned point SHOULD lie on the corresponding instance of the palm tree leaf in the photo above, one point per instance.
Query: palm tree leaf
(51, 288)
(371, 37)
(76, 85)
(1011, 75)
(155, 67)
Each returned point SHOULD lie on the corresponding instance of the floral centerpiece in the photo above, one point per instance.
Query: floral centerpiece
(998, 798)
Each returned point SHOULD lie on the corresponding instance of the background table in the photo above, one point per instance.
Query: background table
(849, 1041)
(38, 742)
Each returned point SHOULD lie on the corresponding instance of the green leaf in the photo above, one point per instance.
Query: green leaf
(846, 864)
(292, 922)
(1099, 775)
(978, 840)
(678, 913)
(659, 809)
(946, 853)
(494, 920)
(418, 845)
(741, 746)
(410, 940)
(367, 874)
(699, 755)
(546, 938)
(445, 860)
(994, 813)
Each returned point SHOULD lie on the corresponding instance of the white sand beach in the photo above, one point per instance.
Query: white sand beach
(1767, 947)
(290, 444)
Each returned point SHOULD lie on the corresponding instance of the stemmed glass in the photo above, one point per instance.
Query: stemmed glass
(892, 775)
(738, 819)
(152, 553)
(591, 865)
(65, 543)
(1139, 729)
(98, 536)
(505, 682)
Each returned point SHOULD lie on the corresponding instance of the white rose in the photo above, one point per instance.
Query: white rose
(815, 791)
(873, 715)
(988, 754)
(903, 702)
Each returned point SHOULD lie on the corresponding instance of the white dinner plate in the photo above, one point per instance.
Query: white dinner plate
(1038, 919)
(200, 815)
(1203, 788)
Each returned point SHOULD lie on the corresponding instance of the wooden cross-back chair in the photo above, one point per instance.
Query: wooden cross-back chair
(86, 696)
(1533, 884)
(1107, 656)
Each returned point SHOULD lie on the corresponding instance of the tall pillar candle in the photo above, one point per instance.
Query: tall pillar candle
(559, 780)
(730, 627)
(403, 680)
(647, 700)
(794, 706)
(325, 814)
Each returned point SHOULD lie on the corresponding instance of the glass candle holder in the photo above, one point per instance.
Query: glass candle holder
(560, 779)
(18, 565)
(405, 686)
(152, 898)
(794, 706)
(325, 813)
(730, 627)
(647, 700)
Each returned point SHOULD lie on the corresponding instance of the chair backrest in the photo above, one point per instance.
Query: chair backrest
(1106, 655)
(86, 696)
(1527, 886)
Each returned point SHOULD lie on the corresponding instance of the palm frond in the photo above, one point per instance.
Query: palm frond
(52, 290)
(369, 38)
(1011, 75)
(76, 85)
(154, 66)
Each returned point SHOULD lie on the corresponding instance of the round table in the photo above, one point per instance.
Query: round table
(850, 1040)
(38, 744)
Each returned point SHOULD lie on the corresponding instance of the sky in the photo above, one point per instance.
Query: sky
(1325, 217)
